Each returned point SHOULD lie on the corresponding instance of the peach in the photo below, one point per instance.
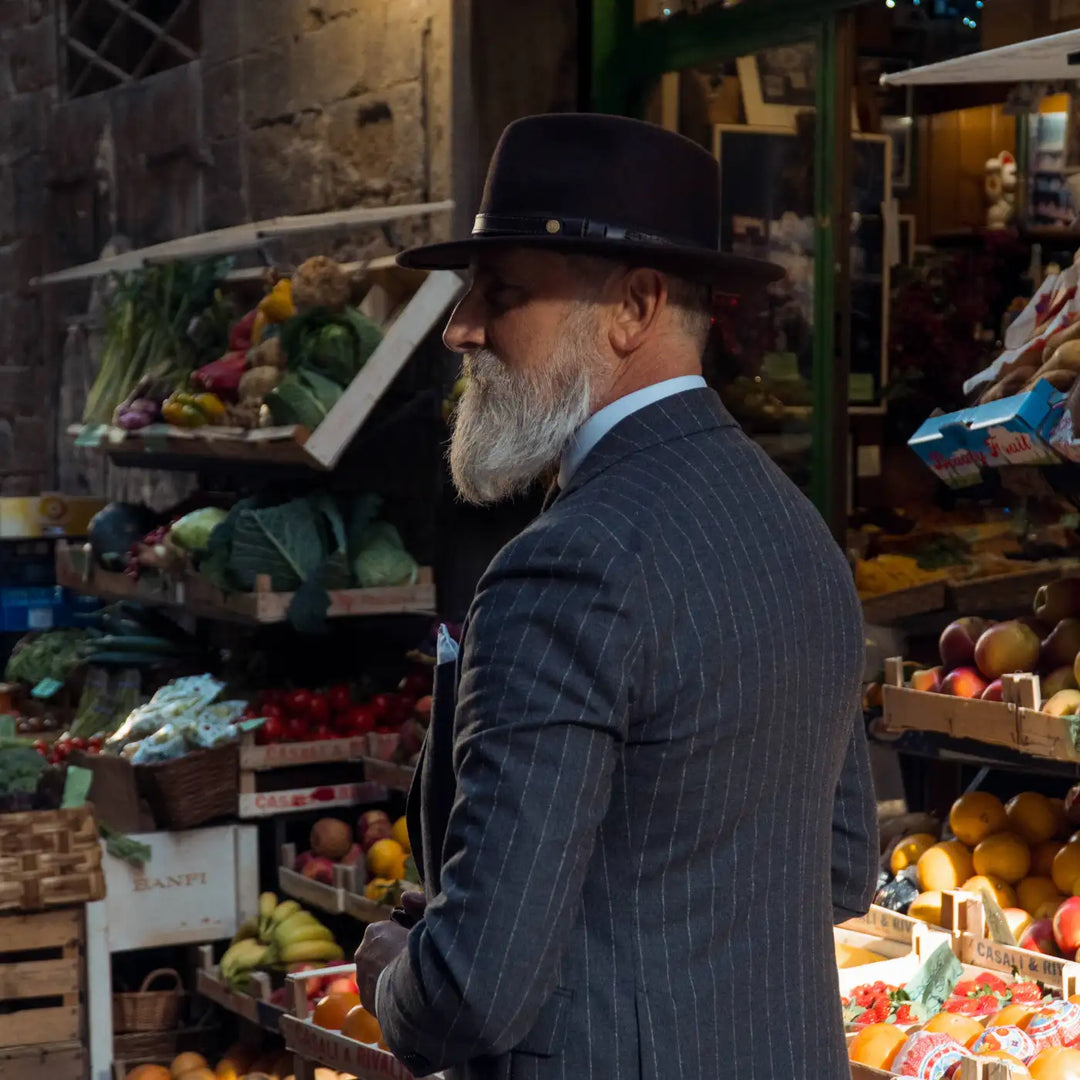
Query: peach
(993, 692)
(1039, 937)
(1067, 926)
(956, 645)
(928, 680)
(1007, 647)
(963, 682)
(1061, 678)
(376, 830)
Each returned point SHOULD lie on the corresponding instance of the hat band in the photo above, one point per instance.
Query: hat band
(500, 225)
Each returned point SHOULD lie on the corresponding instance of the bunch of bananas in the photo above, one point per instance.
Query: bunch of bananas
(282, 934)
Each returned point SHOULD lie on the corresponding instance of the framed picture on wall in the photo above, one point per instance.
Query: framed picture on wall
(779, 83)
(766, 212)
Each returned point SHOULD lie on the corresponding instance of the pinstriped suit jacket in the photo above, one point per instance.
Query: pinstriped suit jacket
(655, 798)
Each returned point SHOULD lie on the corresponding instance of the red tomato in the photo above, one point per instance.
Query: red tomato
(417, 683)
(42, 747)
(61, 749)
(77, 744)
(94, 744)
(319, 709)
(271, 697)
(361, 719)
(271, 712)
(398, 710)
(381, 703)
(273, 729)
(297, 729)
(340, 697)
(323, 733)
(298, 702)
(251, 713)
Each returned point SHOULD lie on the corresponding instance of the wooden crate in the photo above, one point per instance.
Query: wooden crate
(63, 1061)
(344, 897)
(1005, 592)
(49, 858)
(76, 570)
(903, 603)
(1015, 723)
(51, 982)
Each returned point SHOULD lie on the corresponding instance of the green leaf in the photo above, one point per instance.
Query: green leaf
(283, 542)
(932, 984)
(995, 919)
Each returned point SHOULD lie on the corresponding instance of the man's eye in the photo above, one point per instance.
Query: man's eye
(499, 297)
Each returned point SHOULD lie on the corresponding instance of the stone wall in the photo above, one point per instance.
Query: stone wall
(294, 106)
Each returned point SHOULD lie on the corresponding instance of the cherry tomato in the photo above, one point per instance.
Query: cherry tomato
(319, 709)
(381, 703)
(340, 697)
(42, 747)
(271, 712)
(271, 697)
(61, 749)
(323, 733)
(297, 729)
(298, 702)
(361, 719)
(251, 713)
(273, 729)
(94, 744)
(77, 743)
(417, 683)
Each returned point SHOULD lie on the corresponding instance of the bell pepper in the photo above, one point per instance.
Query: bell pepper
(240, 335)
(259, 328)
(211, 406)
(222, 376)
(193, 410)
(278, 305)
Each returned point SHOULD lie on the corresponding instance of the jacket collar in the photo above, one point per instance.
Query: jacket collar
(664, 421)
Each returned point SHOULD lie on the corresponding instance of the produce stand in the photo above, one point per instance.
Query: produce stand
(256, 1010)
(76, 570)
(344, 897)
(891, 607)
(262, 804)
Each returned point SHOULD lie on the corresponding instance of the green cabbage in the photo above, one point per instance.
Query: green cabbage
(382, 563)
(192, 531)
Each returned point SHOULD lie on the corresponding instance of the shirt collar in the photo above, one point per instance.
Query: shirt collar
(602, 421)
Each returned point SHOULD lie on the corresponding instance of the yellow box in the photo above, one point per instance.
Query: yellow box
(48, 514)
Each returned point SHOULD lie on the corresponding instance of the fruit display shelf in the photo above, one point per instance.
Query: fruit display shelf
(314, 1046)
(261, 804)
(256, 1010)
(891, 607)
(1015, 723)
(76, 570)
(344, 897)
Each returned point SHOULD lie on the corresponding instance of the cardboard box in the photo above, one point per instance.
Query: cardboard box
(40, 608)
(50, 514)
(960, 446)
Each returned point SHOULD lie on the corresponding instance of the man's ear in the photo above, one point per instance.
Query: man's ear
(641, 295)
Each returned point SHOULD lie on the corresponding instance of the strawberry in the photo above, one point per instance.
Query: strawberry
(904, 1015)
(1026, 992)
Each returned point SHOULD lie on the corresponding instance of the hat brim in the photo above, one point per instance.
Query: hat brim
(734, 274)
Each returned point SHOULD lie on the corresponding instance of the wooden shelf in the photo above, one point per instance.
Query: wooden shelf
(395, 777)
(890, 607)
(257, 804)
(76, 570)
(407, 304)
(256, 1010)
(343, 897)
(255, 758)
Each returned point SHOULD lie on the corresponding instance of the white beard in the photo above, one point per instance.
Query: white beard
(512, 428)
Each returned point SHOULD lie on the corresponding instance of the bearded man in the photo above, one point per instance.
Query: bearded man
(645, 796)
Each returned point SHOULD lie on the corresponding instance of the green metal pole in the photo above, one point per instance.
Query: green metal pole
(824, 426)
(613, 70)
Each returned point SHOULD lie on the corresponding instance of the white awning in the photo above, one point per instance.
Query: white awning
(239, 238)
(1044, 59)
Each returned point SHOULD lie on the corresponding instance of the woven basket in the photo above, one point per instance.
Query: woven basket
(194, 789)
(149, 1010)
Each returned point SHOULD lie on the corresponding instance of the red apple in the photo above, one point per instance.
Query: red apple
(302, 860)
(993, 691)
(1067, 926)
(1039, 937)
(1007, 647)
(370, 817)
(354, 855)
(928, 680)
(964, 682)
(319, 869)
(342, 985)
(379, 830)
(957, 642)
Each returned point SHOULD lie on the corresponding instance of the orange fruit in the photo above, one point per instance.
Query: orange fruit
(361, 1025)
(1001, 891)
(1003, 855)
(877, 1045)
(400, 833)
(386, 859)
(1062, 819)
(945, 866)
(1012, 1016)
(977, 815)
(1032, 817)
(185, 1063)
(964, 1029)
(1033, 892)
(927, 908)
(1055, 1063)
(1042, 857)
(330, 1012)
(1066, 868)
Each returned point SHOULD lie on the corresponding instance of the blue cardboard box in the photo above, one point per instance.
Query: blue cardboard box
(42, 608)
(1016, 430)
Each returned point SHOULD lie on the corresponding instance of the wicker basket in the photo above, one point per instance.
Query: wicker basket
(194, 789)
(149, 1010)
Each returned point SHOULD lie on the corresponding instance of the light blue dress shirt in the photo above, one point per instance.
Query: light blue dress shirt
(600, 423)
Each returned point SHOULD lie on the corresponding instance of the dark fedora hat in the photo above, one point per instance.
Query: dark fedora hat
(603, 185)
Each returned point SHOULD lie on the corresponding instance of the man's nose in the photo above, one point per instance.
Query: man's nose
(465, 330)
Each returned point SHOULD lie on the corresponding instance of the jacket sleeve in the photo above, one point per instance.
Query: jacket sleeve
(541, 713)
(855, 833)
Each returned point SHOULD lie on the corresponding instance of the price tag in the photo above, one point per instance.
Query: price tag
(76, 787)
(7, 727)
(91, 435)
(251, 725)
(46, 689)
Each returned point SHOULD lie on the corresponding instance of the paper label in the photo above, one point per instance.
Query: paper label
(91, 435)
(76, 787)
(46, 689)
